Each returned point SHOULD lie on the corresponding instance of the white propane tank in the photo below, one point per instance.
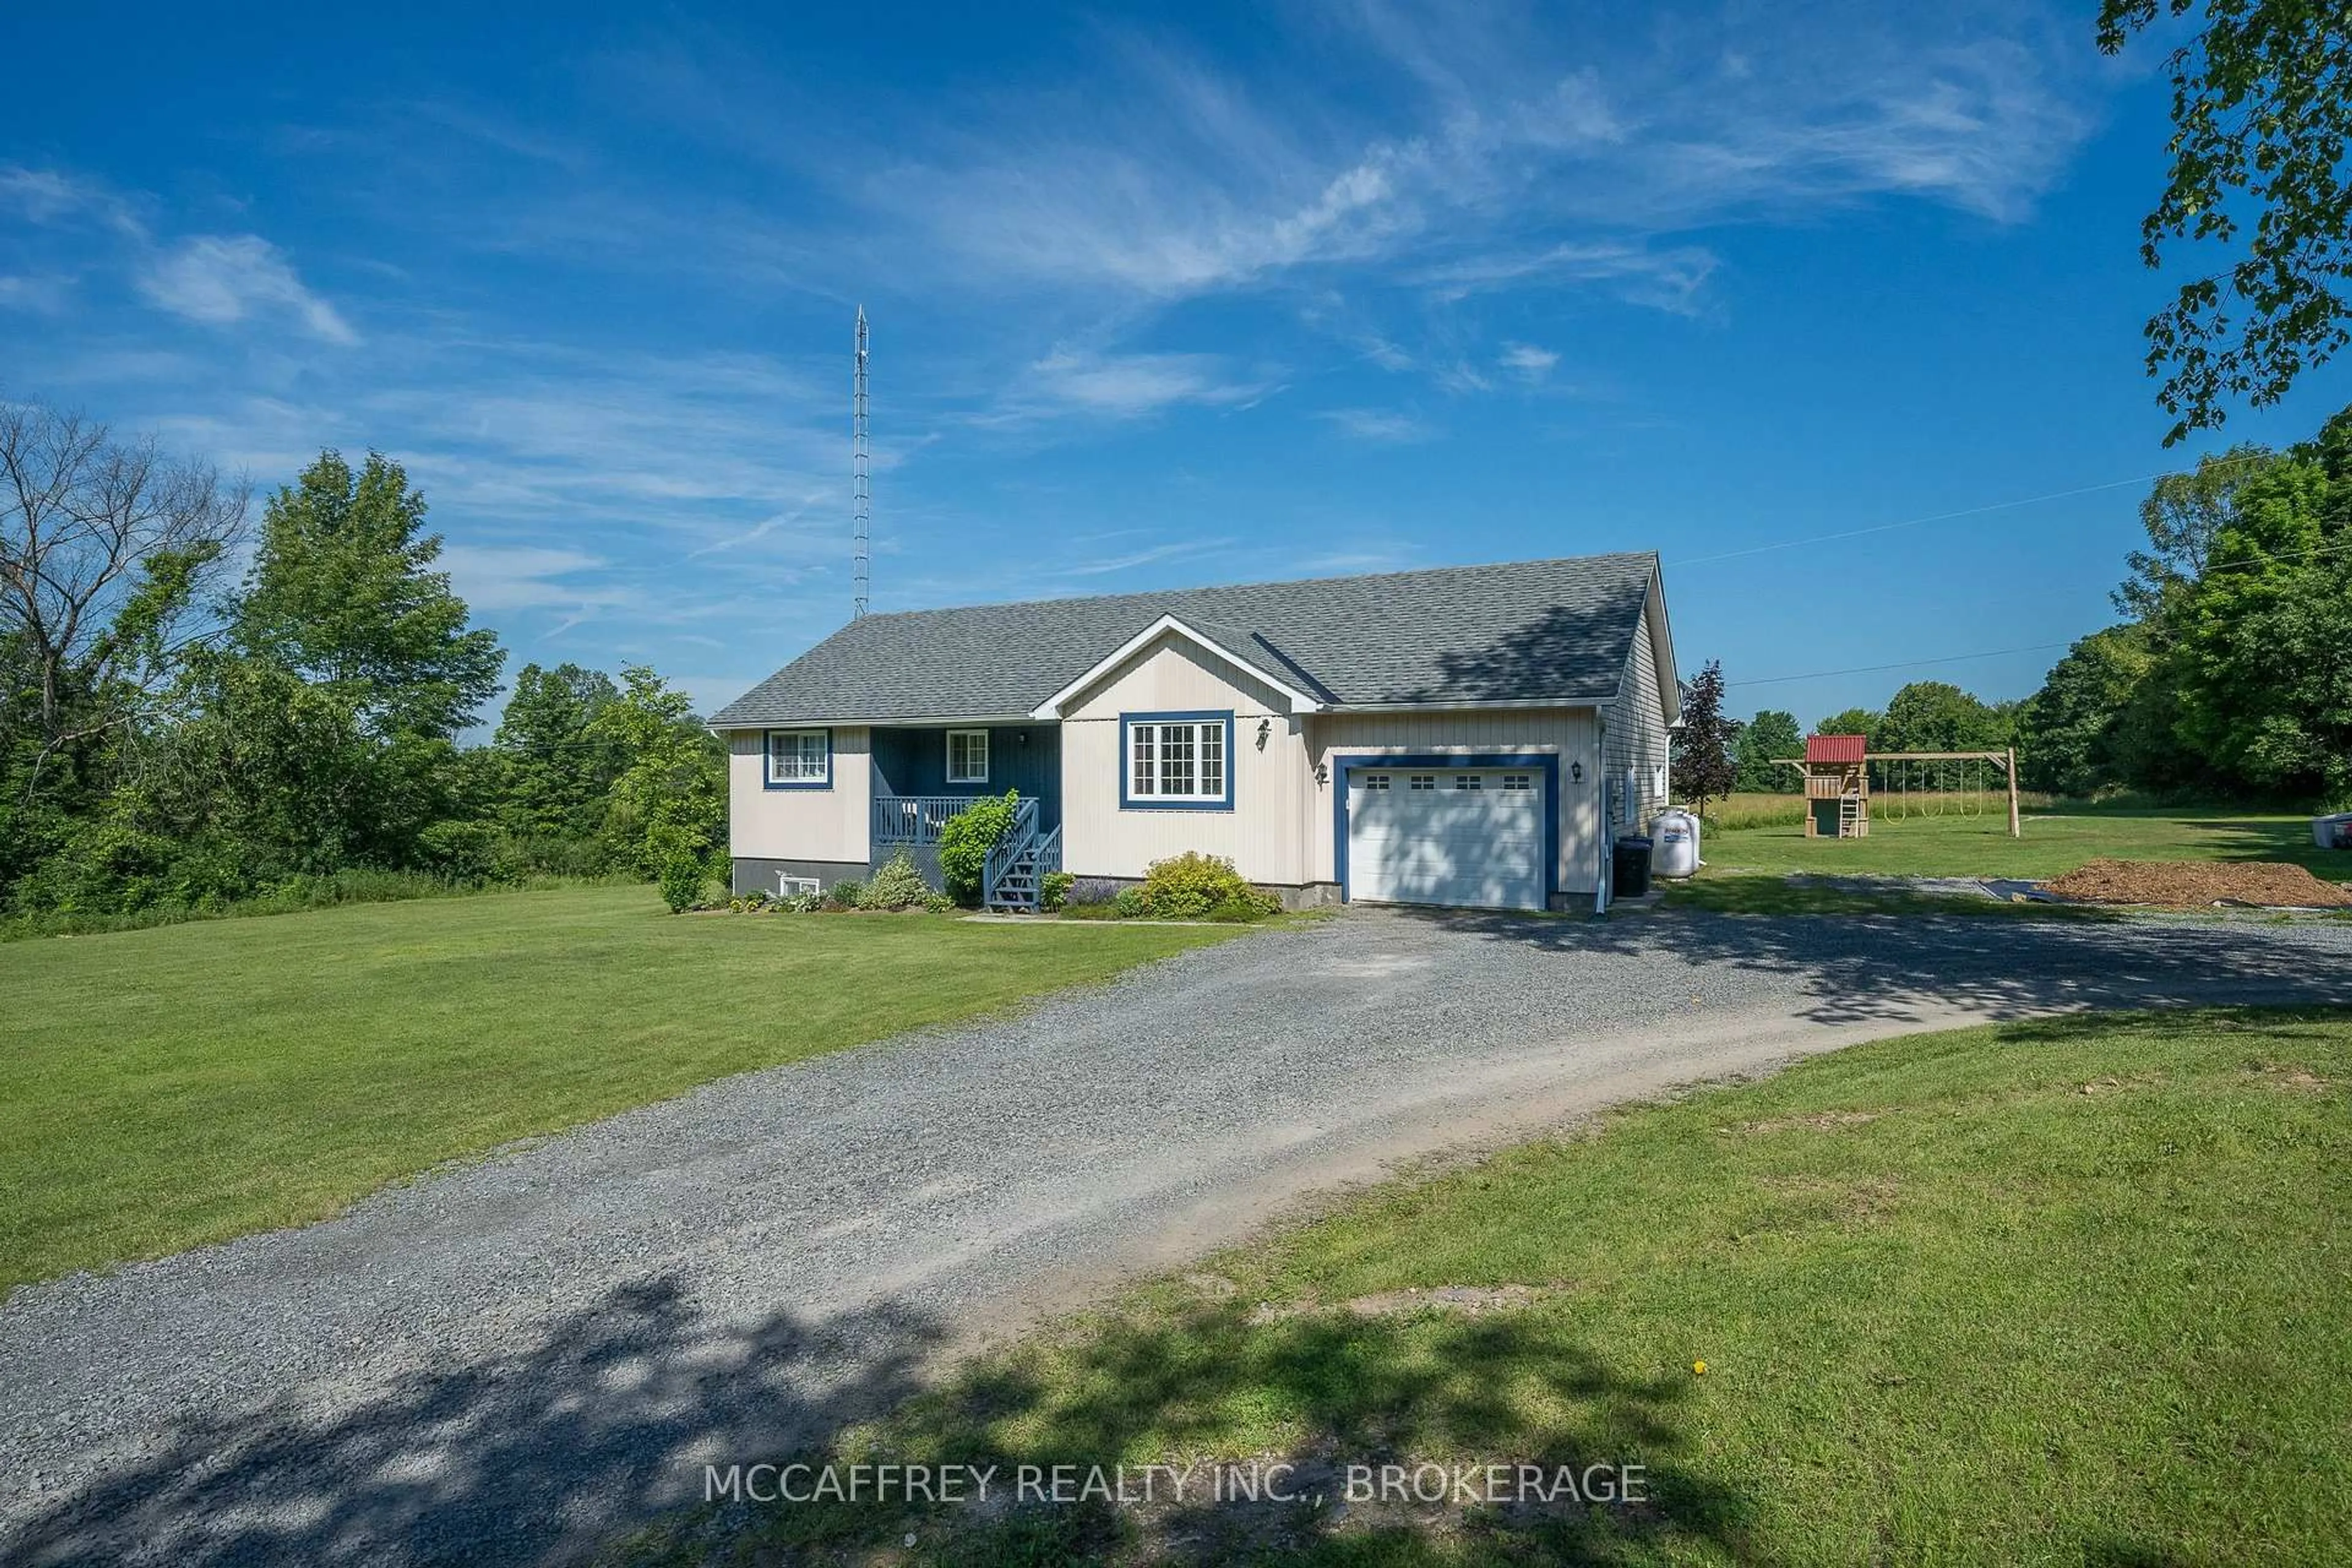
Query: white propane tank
(1676, 854)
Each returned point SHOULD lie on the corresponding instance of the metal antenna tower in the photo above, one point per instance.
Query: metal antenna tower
(861, 479)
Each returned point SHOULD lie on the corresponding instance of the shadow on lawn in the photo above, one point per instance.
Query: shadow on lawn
(1896, 969)
(609, 1423)
(1157, 1388)
(536, 1457)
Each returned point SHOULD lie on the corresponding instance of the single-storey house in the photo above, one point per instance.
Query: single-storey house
(1471, 736)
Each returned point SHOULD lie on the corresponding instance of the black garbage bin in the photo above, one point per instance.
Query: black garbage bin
(1633, 878)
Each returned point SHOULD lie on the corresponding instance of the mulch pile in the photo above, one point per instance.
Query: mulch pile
(2193, 883)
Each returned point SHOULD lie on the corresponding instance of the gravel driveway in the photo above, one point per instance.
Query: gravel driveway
(511, 1361)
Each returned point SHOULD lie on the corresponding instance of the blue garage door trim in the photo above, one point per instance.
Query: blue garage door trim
(1547, 761)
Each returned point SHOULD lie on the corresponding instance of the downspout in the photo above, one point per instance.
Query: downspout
(1601, 810)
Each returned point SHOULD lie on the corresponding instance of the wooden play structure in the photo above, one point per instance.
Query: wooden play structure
(1838, 772)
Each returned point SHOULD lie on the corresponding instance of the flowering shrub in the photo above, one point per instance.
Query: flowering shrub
(1187, 887)
(1054, 890)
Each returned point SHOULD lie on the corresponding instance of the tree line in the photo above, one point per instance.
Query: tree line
(195, 712)
(2230, 673)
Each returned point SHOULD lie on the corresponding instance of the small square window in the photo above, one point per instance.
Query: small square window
(1468, 781)
(1518, 781)
(1424, 781)
(1376, 781)
(967, 756)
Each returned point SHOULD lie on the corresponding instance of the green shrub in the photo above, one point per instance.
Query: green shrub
(938, 903)
(470, 852)
(1054, 889)
(1241, 912)
(681, 881)
(1129, 905)
(849, 893)
(1187, 887)
(1094, 911)
(897, 886)
(802, 903)
(966, 839)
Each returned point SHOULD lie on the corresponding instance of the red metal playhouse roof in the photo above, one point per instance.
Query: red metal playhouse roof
(1836, 748)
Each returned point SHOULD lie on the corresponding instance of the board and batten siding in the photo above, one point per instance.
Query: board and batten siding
(1174, 675)
(1635, 733)
(1565, 732)
(832, 825)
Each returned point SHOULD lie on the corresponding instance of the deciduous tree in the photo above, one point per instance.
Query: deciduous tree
(1703, 768)
(2262, 116)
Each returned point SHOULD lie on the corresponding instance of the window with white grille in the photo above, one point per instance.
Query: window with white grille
(803, 757)
(1176, 762)
(967, 756)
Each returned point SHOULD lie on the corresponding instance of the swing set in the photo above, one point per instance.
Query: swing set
(1843, 777)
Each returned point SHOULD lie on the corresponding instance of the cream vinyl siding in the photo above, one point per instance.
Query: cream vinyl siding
(1174, 675)
(1637, 736)
(1565, 732)
(765, 824)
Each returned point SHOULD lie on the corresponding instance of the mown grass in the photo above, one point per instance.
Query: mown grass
(2054, 1292)
(165, 1087)
(2054, 843)
(1760, 809)
(1736, 894)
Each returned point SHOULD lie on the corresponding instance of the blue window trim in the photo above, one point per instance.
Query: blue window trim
(767, 766)
(1126, 761)
(1548, 762)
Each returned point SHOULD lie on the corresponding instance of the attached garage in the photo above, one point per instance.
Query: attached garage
(1472, 833)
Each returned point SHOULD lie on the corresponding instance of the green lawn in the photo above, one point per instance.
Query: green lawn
(2058, 1292)
(160, 1089)
(2054, 843)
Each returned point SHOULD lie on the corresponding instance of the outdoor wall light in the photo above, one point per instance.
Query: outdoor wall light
(1264, 728)
(1576, 772)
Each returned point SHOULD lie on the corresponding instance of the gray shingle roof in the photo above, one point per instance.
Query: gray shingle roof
(1524, 631)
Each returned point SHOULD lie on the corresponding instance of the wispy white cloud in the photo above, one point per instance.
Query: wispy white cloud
(1521, 154)
(52, 198)
(1669, 278)
(512, 577)
(1126, 386)
(1530, 364)
(213, 279)
(1387, 425)
(223, 279)
(45, 295)
(1178, 550)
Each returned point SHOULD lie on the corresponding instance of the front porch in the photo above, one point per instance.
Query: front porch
(914, 798)
(914, 795)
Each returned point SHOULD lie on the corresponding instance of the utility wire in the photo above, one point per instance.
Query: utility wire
(1954, 516)
(1907, 664)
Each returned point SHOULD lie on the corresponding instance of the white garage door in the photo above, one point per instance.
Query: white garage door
(1468, 837)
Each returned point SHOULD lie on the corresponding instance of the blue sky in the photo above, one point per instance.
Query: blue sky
(1208, 295)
